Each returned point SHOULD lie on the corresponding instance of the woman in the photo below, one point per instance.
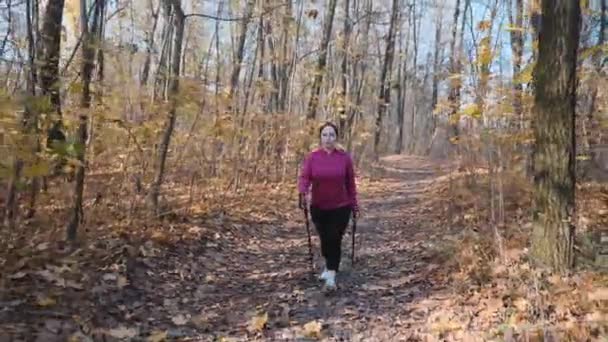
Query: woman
(329, 172)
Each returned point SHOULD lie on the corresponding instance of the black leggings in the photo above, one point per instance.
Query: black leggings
(331, 225)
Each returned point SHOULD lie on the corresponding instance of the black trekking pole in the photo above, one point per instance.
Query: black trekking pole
(352, 252)
(310, 256)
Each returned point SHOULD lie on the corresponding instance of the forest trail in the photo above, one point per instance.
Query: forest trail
(376, 300)
(249, 280)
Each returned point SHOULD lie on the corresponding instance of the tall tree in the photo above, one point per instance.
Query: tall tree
(322, 61)
(178, 21)
(517, 47)
(403, 86)
(344, 70)
(385, 87)
(89, 36)
(554, 155)
(28, 124)
(236, 70)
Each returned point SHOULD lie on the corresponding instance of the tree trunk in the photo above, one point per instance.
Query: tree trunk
(344, 71)
(28, 124)
(178, 22)
(150, 43)
(359, 80)
(321, 63)
(403, 91)
(415, 32)
(554, 157)
(436, 61)
(89, 36)
(385, 88)
(236, 71)
(285, 60)
(49, 68)
(517, 47)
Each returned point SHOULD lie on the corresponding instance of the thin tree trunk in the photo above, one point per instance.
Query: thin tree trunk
(89, 36)
(49, 69)
(344, 70)
(236, 71)
(385, 87)
(12, 207)
(517, 46)
(555, 150)
(322, 62)
(178, 22)
(415, 31)
(31, 19)
(436, 73)
(436, 59)
(150, 43)
(284, 70)
(403, 90)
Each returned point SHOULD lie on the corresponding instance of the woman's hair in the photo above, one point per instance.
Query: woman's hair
(330, 124)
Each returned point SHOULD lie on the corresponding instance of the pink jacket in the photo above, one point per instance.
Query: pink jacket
(332, 178)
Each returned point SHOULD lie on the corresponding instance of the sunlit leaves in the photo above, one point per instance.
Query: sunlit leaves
(258, 322)
(525, 75)
(484, 25)
(472, 110)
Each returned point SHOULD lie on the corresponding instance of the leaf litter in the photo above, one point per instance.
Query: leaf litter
(242, 274)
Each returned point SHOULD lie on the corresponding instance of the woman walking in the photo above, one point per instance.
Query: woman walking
(328, 175)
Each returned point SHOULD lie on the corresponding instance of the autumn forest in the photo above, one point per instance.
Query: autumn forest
(150, 152)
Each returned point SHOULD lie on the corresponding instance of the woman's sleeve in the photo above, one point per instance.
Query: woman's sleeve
(304, 179)
(351, 184)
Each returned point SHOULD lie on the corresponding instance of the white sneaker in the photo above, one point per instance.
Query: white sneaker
(323, 276)
(330, 280)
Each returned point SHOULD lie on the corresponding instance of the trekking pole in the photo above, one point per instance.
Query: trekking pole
(310, 256)
(352, 255)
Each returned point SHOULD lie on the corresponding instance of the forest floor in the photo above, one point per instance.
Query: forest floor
(422, 273)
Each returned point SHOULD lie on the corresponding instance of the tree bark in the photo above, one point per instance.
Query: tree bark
(150, 43)
(28, 125)
(344, 71)
(403, 87)
(322, 62)
(178, 22)
(385, 88)
(436, 61)
(517, 47)
(236, 71)
(89, 36)
(554, 157)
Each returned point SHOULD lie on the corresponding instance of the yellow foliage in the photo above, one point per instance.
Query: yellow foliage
(484, 25)
(472, 110)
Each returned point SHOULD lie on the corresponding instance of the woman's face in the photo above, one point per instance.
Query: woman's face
(328, 137)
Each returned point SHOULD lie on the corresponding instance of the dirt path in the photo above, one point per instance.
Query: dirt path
(376, 298)
(217, 285)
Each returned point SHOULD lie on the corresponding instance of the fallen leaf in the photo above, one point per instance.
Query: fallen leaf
(122, 332)
(79, 337)
(52, 278)
(258, 322)
(195, 230)
(599, 294)
(180, 320)
(43, 246)
(110, 277)
(17, 275)
(45, 301)
(312, 329)
(157, 336)
(122, 281)
(74, 285)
